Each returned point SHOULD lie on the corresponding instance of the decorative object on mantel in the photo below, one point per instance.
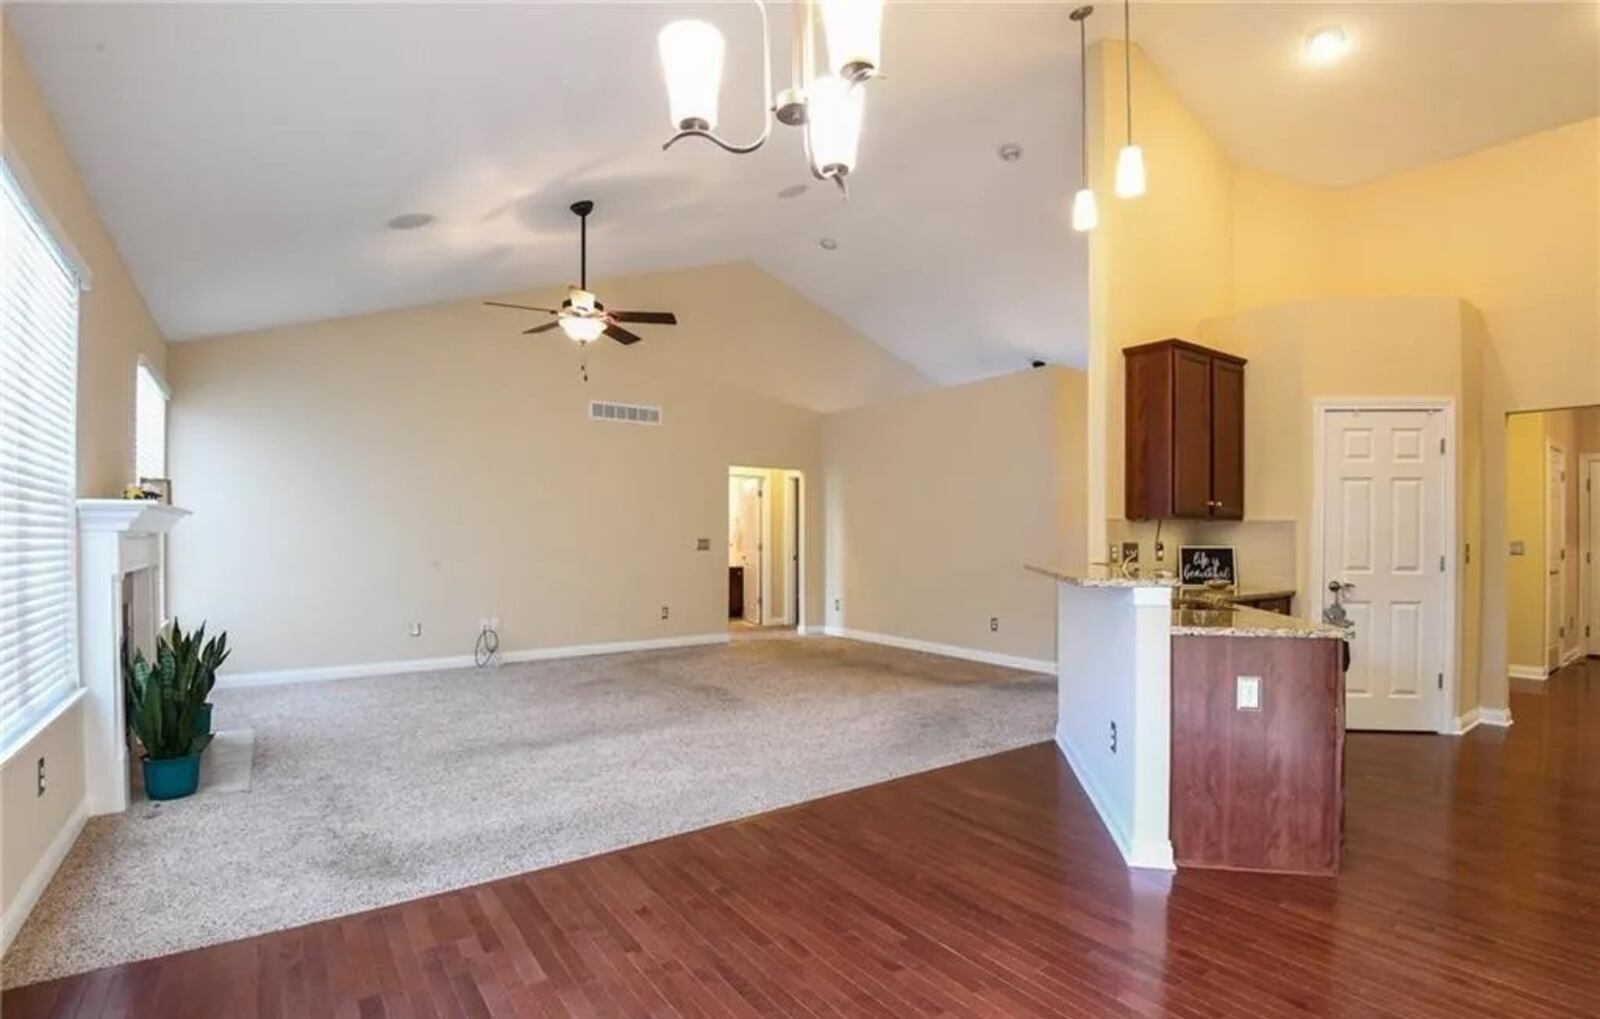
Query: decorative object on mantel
(1209, 565)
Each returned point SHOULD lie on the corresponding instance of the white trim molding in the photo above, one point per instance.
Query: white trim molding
(1527, 672)
(1463, 724)
(945, 650)
(1500, 718)
(357, 670)
(38, 879)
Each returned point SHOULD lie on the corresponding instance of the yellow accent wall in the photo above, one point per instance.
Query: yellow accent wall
(1512, 230)
(1525, 524)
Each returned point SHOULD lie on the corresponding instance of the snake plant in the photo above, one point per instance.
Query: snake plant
(164, 697)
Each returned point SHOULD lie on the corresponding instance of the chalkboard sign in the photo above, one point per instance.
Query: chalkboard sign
(1198, 564)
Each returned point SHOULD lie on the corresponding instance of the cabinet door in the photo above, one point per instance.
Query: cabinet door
(1227, 440)
(1191, 434)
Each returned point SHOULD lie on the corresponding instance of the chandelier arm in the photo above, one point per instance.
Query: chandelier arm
(766, 100)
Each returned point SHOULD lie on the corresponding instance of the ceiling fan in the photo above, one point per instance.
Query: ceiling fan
(583, 318)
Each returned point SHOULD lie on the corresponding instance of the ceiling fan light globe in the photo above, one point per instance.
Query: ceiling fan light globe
(835, 111)
(691, 61)
(854, 32)
(582, 330)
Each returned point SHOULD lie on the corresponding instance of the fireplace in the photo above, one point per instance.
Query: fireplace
(119, 584)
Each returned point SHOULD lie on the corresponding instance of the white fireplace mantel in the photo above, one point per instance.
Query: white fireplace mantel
(117, 538)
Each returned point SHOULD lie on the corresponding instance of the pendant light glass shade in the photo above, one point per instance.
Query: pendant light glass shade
(834, 110)
(854, 30)
(1085, 213)
(691, 60)
(582, 330)
(1130, 172)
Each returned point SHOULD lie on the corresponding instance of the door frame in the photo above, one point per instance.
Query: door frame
(1551, 542)
(1588, 545)
(793, 481)
(763, 537)
(1447, 710)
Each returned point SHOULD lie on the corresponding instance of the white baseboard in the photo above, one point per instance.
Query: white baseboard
(1463, 724)
(813, 630)
(1151, 855)
(317, 674)
(1575, 655)
(1527, 672)
(1499, 717)
(38, 879)
(947, 650)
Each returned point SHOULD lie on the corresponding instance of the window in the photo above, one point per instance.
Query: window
(149, 424)
(38, 468)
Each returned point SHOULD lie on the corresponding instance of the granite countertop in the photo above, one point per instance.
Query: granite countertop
(1235, 594)
(1100, 576)
(1243, 621)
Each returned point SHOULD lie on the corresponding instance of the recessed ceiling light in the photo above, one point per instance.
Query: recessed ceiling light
(828, 244)
(410, 221)
(1327, 45)
(794, 191)
(1011, 152)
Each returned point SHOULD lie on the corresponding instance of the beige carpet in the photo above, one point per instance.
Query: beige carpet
(365, 792)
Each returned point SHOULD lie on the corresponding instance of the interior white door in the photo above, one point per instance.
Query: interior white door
(1555, 550)
(1383, 547)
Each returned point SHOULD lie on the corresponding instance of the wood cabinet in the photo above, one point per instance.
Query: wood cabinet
(1258, 789)
(1184, 432)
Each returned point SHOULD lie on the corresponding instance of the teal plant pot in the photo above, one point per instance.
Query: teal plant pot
(202, 720)
(172, 778)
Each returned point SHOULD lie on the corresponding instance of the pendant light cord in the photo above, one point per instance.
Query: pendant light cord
(1127, 63)
(1083, 99)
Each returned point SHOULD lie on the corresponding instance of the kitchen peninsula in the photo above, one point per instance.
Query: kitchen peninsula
(1205, 734)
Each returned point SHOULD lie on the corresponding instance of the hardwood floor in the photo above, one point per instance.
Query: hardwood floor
(1471, 887)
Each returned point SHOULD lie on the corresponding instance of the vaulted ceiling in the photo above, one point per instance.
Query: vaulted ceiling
(248, 157)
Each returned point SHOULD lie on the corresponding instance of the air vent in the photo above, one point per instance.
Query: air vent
(627, 413)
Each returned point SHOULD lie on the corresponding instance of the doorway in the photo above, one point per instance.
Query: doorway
(1383, 533)
(765, 589)
(1588, 549)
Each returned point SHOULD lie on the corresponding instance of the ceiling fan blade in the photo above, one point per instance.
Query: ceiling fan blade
(519, 307)
(622, 335)
(540, 329)
(660, 318)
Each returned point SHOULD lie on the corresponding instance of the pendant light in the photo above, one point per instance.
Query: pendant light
(1085, 214)
(1130, 161)
(833, 125)
(691, 60)
(854, 30)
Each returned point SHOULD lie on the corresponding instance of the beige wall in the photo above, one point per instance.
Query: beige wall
(114, 329)
(1512, 230)
(349, 478)
(1308, 350)
(935, 502)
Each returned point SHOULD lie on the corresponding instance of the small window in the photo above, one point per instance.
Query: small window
(149, 423)
(38, 465)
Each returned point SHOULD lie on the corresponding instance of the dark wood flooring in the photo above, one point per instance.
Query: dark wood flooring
(1471, 887)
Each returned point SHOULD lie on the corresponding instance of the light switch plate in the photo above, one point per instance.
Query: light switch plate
(1247, 696)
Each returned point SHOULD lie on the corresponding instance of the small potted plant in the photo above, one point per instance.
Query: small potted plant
(163, 702)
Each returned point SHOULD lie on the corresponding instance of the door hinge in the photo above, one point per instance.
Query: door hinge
(1441, 446)
(1441, 564)
(1441, 681)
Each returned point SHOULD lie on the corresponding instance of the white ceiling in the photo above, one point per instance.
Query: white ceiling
(1425, 80)
(246, 158)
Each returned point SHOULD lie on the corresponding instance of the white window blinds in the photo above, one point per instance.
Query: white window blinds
(149, 424)
(38, 484)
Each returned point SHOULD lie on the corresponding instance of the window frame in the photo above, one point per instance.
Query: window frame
(14, 178)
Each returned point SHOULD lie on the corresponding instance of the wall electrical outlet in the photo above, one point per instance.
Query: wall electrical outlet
(994, 624)
(1114, 554)
(702, 544)
(1247, 695)
(1130, 551)
(665, 611)
(416, 629)
(837, 604)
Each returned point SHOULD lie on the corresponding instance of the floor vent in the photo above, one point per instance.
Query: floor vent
(628, 413)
